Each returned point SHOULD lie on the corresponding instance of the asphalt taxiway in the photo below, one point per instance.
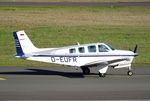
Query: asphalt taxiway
(66, 83)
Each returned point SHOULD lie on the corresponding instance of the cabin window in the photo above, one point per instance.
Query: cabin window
(102, 48)
(81, 50)
(73, 50)
(92, 48)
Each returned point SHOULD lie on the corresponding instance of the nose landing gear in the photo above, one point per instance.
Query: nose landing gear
(130, 72)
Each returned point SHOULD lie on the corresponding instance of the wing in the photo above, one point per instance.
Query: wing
(96, 63)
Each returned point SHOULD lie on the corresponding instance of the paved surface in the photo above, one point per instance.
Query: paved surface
(66, 83)
(77, 3)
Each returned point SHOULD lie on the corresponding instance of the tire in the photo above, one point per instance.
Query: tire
(101, 74)
(130, 73)
(86, 70)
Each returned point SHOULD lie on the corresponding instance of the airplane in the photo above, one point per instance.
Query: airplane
(83, 56)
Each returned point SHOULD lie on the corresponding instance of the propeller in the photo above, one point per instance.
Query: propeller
(135, 49)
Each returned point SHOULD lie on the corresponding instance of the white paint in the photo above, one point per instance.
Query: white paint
(94, 54)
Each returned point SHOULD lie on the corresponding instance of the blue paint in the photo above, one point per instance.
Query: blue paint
(83, 55)
(19, 51)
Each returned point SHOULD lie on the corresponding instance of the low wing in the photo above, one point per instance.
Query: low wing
(96, 63)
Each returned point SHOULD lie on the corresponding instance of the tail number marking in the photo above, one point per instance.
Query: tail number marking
(64, 59)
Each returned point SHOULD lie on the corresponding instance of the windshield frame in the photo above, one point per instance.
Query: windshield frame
(112, 48)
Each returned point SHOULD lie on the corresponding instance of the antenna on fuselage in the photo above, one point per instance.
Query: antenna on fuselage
(78, 43)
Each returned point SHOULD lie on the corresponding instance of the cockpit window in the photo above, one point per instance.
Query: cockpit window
(92, 48)
(81, 50)
(102, 48)
(73, 50)
(110, 47)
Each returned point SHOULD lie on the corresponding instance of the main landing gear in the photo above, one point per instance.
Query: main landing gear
(102, 74)
(85, 70)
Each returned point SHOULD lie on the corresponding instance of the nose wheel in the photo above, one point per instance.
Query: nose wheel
(130, 73)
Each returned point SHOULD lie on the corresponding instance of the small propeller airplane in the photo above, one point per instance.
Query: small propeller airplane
(101, 55)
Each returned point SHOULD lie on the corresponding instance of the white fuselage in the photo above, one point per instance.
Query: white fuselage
(86, 58)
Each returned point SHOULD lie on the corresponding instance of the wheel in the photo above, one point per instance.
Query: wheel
(101, 74)
(86, 70)
(130, 73)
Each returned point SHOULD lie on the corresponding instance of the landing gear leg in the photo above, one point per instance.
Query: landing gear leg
(130, 72)
(85, 70)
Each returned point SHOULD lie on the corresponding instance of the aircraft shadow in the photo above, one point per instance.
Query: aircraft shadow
(45, 72)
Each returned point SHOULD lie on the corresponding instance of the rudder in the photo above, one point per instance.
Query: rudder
(19, 51)
(23, 44)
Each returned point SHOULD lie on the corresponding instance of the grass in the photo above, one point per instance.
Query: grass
(56, 26)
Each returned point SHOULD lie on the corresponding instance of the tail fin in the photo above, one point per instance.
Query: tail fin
(23, 44)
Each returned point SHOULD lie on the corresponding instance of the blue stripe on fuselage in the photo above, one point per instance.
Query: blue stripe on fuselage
(79, 55)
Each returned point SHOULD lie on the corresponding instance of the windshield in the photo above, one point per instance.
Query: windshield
(110, 47)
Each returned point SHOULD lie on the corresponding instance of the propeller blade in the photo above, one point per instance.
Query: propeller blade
(135, 49)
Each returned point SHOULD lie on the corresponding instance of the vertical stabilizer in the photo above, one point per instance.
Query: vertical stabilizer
(23, 44)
